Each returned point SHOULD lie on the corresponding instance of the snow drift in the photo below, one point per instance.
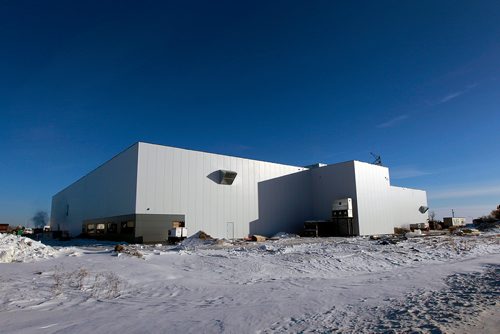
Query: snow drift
(198, 239)
(15, 248)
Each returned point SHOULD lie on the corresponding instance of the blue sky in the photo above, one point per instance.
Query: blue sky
(417, 82)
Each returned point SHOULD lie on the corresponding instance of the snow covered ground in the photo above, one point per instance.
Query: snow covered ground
(447, 284)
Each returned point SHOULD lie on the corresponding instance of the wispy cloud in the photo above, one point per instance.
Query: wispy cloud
(451, 96)
(393, 121)
(466, 191)
(408, 172)
(456, 94)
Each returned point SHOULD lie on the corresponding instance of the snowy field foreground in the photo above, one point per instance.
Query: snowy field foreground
(447, 284)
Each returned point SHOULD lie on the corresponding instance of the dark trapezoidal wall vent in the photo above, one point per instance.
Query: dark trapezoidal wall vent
(227, 176)
(423, 209)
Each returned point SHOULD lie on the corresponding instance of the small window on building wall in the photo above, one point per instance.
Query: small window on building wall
(101, 228)
(127, 226)
(90, 228)
(67, 209)
(112, 228)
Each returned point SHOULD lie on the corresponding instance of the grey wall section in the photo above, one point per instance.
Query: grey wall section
(154, 228)
(119, 234)
(284, 204)
(330, 183)
(109, 190)
(178, 181)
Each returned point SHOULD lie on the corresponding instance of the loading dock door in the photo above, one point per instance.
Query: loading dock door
(344, 227)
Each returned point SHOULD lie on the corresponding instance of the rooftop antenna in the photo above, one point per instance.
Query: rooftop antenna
(378, 159)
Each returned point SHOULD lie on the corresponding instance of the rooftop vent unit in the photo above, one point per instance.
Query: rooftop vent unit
(316, 165)
(227, 176)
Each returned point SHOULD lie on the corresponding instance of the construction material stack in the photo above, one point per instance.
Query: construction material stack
(342, 217)
(178, 232)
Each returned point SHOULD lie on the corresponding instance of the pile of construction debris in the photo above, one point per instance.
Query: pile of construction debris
(128, 250)
(197, 240)
(466, 232)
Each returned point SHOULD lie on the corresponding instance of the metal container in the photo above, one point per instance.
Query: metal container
(178, 232)
(342, 208)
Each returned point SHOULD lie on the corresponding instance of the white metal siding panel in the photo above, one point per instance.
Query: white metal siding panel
(208, 206)
(109, 190)
(373, 199)
(405, 204)
(381, 207)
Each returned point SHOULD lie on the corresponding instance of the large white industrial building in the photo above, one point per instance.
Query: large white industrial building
(144, 190)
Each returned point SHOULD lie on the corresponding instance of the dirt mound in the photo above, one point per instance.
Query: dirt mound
(127, 249)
